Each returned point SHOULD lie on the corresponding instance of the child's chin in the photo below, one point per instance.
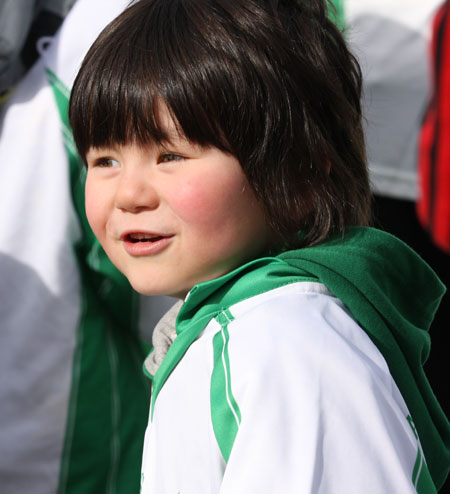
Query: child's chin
(151, 290)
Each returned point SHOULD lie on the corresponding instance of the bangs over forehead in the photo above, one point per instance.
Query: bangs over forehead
(151, 57)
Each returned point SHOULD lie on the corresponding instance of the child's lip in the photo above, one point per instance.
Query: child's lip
(139, 243)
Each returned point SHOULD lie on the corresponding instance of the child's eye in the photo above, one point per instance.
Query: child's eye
(105, 162)
(166, 157)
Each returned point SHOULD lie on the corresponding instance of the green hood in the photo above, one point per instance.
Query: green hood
(386, 286)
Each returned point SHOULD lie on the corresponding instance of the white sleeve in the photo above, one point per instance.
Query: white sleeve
(320, 413)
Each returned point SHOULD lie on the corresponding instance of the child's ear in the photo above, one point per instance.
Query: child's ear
(327, 164)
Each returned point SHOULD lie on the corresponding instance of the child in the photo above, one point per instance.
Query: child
(226, 167)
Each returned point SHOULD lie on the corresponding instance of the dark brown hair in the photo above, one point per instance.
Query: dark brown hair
(270, 81)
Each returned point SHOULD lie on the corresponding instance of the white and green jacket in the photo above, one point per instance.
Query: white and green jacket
(271, 384)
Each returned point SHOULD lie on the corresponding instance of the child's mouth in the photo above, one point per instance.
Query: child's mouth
(134, 240)
(143, 244)
(142, 237)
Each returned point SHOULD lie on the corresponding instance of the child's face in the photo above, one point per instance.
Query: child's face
(172, 217)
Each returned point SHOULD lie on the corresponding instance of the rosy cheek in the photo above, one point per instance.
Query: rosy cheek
(200, 205)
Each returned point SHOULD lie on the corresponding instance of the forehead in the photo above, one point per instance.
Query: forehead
(168, 123)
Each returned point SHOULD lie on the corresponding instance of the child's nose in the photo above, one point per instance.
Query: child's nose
(135, 193)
